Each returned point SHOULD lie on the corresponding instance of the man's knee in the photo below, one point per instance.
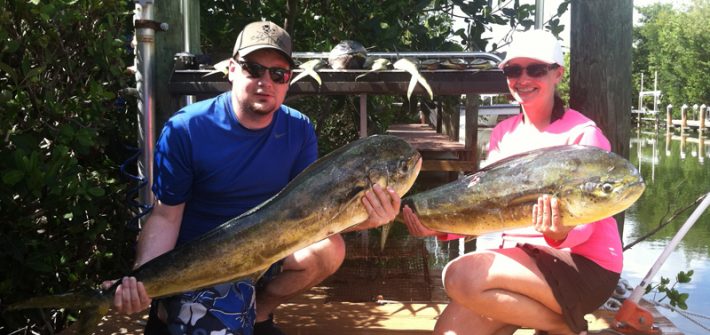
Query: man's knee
(333, 254)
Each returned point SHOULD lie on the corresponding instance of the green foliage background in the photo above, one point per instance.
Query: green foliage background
(675, 43)
(63, 136)
(65, 128)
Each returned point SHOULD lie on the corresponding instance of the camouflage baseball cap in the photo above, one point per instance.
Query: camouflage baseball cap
(263, 35)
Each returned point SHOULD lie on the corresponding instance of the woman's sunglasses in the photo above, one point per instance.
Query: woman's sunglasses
(256, 70)
(533, 70)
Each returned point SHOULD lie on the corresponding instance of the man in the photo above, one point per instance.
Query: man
(218, 158)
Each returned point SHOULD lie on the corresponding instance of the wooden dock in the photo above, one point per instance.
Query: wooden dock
(394, 291)
(439, 152)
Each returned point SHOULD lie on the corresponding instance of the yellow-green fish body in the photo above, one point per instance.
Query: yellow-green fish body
(590, 183)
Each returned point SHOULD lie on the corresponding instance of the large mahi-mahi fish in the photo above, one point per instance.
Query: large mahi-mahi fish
(323, 200)
(590, 183)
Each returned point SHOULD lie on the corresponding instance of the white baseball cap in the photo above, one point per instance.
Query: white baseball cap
(536, 44)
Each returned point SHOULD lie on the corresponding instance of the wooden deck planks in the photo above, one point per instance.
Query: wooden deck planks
(439, 151)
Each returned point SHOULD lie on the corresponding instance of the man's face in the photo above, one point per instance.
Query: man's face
(259, 94)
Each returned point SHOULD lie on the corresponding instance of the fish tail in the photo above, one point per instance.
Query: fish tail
(316, 76)
(412, 84)
(92, 306)
(298, 77)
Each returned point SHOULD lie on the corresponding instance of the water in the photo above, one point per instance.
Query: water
(676, 170)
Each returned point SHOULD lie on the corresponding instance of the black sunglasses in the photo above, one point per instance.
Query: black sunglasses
(256, 70)
(533, 70)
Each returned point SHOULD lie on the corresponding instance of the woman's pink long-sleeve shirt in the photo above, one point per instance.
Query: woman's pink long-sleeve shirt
(598, 241)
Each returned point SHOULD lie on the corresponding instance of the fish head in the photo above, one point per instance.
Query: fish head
(396, 163)
(608, 186)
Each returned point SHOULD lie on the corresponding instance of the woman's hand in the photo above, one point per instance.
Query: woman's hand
(546, 218)
(415, 227)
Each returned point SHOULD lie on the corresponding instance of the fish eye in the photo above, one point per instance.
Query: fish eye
(403, 166)
(607, 188)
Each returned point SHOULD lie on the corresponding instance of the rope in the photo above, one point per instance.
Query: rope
(686, 314)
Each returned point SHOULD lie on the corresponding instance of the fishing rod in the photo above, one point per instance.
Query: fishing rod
(634, 319)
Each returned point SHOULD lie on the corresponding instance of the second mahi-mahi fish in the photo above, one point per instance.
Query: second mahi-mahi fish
(590, 184)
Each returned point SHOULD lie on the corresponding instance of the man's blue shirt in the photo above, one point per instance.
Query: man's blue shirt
(206, 159)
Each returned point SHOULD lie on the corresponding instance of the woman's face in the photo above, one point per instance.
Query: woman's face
(536, 90)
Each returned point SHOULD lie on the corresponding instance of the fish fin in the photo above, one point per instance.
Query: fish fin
(385, 232)
(92, 306)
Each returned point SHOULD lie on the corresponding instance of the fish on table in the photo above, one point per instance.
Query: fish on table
(323, 200)
(590, 184)
(375, 65)
(310, 68)
(410, 66)
(347, 54)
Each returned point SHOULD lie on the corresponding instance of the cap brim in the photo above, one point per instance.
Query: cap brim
(247, 50)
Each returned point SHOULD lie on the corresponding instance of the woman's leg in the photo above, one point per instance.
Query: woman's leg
(504, 285)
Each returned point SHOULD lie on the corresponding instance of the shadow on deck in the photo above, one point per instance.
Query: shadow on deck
(394, 291)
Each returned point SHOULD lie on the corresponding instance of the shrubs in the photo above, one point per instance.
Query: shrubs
(63, 130)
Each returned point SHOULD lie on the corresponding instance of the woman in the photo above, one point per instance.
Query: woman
(547, 276)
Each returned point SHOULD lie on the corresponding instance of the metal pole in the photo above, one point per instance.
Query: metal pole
(539, 13)
(144, 63)
(187, 13)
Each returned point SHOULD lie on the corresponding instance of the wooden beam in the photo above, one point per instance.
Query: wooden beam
(448, 165)
(339, 82)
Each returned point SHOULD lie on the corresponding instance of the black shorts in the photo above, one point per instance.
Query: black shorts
(579, 285)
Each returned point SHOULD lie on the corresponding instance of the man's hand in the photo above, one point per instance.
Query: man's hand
(546, 219)
(130, 296)
(382, 207)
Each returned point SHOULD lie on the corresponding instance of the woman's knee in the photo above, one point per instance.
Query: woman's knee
(466, 275)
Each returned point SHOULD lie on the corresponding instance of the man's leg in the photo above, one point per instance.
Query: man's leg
(301, 271)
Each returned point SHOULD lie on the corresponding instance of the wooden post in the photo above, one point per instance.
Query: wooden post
(471, 126)
(669, 117)
(167, 44)
(363, 115)
(683, 117)
(600, 68)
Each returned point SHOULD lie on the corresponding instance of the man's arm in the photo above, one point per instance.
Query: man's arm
(160, 232)
(158, 236)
